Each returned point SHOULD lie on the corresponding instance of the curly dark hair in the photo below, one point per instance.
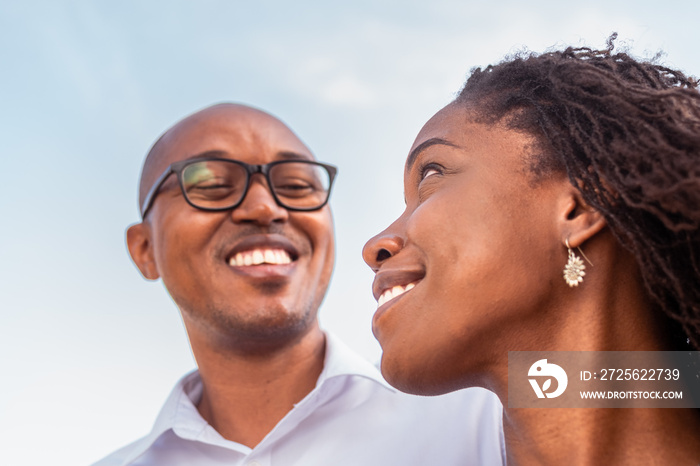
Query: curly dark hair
(627, 133)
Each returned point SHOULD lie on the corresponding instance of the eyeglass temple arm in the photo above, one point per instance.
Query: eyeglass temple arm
(148, 201)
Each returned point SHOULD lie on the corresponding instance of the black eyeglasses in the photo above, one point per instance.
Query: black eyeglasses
(214, 184)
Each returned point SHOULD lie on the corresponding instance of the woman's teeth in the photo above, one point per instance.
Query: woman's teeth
(260, 256)
(394, 292)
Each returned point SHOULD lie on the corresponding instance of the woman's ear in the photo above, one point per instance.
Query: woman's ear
(579, 222)
(138, 240)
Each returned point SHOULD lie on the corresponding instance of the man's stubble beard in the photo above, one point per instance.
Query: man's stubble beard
(261, 331)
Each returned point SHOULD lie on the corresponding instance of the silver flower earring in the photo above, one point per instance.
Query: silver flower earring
(574, 269)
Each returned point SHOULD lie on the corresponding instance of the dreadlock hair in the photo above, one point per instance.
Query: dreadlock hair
(627, 134)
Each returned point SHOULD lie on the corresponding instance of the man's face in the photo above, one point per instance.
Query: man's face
(201, 255)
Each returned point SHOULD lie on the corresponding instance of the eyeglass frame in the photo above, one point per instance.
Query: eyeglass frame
(251, 169)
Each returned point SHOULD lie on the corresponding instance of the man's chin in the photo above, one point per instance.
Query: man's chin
(267, 330)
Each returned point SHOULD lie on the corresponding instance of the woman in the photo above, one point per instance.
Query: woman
(540, 161)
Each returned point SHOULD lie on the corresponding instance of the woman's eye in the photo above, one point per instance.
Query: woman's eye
(430, 170)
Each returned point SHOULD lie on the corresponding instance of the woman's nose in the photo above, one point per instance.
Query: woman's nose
(381, 247)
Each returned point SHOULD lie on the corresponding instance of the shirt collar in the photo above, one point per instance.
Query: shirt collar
(179, 413)
(180, 405)
(340, 360)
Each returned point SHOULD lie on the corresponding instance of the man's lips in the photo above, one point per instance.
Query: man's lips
(258, 256)
(262, 250)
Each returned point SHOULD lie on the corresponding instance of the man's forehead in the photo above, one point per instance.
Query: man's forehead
(228, 128)
(226, 125)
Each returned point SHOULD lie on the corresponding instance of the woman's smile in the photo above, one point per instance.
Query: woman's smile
(394, 292)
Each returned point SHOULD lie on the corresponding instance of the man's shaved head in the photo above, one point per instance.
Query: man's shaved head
(161, 154)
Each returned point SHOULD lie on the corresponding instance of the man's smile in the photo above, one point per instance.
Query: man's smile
(264, 256)
(259, 256)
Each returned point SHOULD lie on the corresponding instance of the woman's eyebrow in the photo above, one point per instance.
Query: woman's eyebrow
(424, 145)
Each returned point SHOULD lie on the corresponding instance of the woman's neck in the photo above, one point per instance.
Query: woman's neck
(589, 436)
(611, 311)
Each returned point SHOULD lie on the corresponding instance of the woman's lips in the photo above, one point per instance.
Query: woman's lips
(394, 292)
(391, 283)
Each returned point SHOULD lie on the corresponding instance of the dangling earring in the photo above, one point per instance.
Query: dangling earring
(574, 269)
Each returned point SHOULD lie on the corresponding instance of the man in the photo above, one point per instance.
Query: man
(236, 224)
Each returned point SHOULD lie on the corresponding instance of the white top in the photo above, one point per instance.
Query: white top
(351, 418)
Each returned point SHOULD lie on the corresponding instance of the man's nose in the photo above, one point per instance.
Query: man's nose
(383, 246)
(259, 205)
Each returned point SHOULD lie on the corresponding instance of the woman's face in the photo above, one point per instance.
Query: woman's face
(478, 247)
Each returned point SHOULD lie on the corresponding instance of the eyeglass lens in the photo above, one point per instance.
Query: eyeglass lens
(217, 184)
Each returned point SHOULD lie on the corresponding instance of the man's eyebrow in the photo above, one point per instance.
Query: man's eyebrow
(285, 155)
(289, 155)
(424, 145)
(208, 153)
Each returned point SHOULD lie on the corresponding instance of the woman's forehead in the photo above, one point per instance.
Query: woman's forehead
(461, 132)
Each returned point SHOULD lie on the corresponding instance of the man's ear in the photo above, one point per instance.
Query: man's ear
(579, 222)
(138, 240)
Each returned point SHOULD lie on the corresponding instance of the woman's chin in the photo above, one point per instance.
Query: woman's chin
(417, 379)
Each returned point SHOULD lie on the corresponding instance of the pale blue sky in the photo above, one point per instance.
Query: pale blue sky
(90, 348)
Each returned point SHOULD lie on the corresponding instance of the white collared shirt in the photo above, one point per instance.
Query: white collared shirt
(351, 418)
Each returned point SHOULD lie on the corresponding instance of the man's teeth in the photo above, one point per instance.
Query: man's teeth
(260, 256)
(394, 292)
